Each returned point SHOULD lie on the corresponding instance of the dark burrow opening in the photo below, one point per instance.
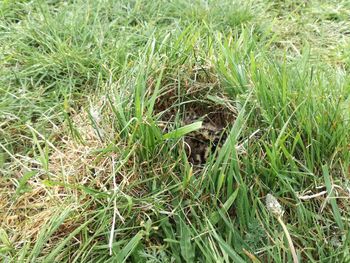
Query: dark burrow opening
(215, 117)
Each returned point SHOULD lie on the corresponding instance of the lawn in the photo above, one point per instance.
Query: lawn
(97, 154)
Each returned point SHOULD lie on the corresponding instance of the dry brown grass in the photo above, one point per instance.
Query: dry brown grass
(72, 163)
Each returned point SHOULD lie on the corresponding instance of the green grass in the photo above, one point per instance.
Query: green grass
(92, 155)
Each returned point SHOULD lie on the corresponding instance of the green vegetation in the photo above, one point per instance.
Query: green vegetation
(92, 154)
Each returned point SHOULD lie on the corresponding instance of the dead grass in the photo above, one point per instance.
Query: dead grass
(72, 163)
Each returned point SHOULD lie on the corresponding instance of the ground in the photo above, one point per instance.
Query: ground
(94, 133)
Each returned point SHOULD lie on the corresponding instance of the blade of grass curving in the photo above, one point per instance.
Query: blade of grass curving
(129, 248)
(180, 132)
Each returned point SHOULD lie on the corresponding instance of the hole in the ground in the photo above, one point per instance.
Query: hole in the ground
(200, 144)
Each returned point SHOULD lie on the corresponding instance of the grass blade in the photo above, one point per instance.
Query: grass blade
(180, 132)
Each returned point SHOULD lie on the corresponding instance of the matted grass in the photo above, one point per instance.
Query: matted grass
(93, 96)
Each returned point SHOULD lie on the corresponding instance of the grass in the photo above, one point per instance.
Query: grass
(92, 155)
